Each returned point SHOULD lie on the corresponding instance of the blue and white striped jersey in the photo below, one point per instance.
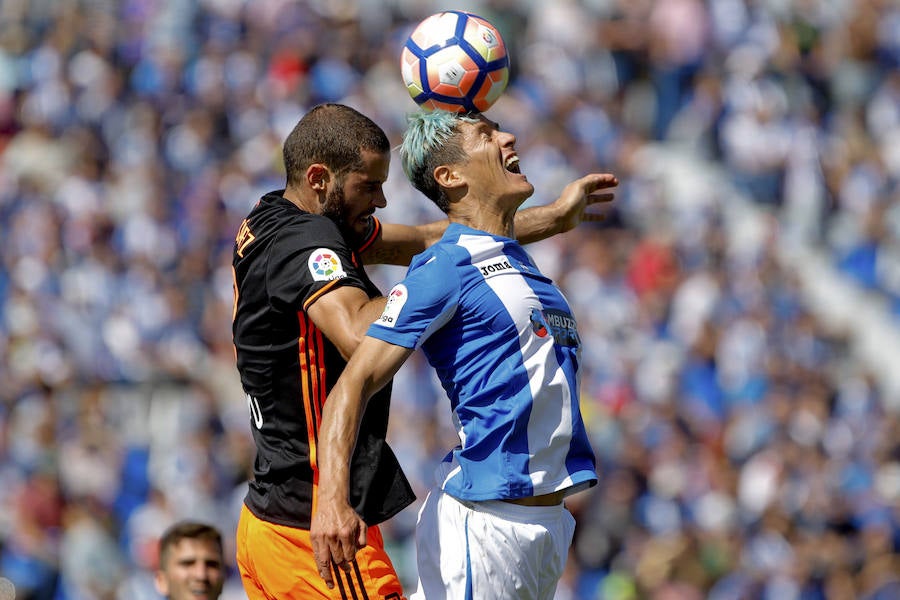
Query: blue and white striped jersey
(505, 347)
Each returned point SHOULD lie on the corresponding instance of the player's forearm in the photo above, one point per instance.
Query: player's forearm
(372, 365)
(398, 244)
(338, 431)
(567, 211)
(538, 223)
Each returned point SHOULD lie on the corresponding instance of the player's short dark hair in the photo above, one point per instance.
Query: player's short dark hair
(186, 530)
(334, 135)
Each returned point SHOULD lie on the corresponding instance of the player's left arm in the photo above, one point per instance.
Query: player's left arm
(337, 531)
(396, 244)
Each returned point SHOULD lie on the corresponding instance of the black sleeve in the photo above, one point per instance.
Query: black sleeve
(308, 259)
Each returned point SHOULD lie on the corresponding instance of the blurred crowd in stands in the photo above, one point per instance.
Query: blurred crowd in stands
(745, 449)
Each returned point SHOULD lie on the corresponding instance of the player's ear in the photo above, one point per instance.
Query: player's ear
(162, 584)
(448, 177)
(317, 176)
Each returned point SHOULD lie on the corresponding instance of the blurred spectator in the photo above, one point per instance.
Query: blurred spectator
(191, 562)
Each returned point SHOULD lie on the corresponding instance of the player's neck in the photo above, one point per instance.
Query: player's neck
(489, 219)
(306, 202)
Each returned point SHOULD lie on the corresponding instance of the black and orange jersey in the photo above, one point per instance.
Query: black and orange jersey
(284, 260)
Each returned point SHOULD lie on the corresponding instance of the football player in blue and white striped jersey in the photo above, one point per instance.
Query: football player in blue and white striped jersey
(505, 345)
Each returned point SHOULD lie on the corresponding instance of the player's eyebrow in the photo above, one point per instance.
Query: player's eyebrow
(486, 123)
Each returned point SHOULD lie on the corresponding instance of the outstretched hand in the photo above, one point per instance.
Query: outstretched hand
(580, 194)
(537, 223)
(336, 532)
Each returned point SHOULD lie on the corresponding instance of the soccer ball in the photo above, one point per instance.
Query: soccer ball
(455, 61)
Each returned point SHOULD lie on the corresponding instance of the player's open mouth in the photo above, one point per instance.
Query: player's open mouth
(512, 164)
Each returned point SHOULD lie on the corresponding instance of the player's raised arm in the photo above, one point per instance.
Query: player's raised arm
(566, 212)
(397, 244)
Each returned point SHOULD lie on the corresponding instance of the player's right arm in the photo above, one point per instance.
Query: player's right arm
(343, 315)
(337, 531)
(426, 299)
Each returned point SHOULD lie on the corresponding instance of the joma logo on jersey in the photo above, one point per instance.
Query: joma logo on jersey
(556, 323)
(494, 267)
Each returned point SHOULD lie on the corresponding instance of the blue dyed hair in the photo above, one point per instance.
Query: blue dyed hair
(430, 140)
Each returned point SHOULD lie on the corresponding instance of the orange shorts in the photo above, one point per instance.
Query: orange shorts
(276, 563)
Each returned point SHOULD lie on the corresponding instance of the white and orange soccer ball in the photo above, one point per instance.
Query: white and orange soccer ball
(455, 61)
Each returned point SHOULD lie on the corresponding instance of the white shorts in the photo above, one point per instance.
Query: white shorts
(490, 550)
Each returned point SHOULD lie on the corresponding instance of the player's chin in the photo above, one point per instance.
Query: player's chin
(520, 193)
(362, 224)
(524, 185)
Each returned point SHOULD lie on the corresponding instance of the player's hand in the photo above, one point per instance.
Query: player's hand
(580, 194)
(337, 532)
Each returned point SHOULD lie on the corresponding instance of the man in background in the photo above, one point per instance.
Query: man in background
(191, 562)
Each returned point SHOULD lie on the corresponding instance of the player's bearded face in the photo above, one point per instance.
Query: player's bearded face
(353, 197)
(340, 211)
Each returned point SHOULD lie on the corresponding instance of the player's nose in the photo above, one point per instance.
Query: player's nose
(506, 138)
(380, 201)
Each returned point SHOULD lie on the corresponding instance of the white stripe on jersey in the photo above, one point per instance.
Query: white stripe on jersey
(550, 422)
